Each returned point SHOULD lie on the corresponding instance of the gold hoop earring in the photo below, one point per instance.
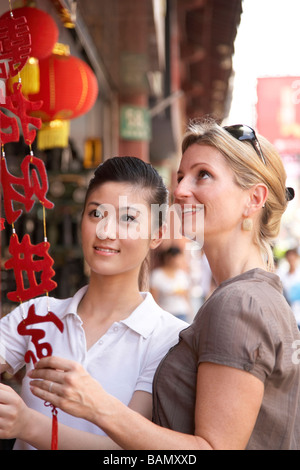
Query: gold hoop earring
(247, 225)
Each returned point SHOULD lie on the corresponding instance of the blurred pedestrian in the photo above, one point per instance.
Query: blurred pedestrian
(169, 284)
(290, 277)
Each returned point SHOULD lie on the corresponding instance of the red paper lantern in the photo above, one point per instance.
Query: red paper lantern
(68, 89)
(42, 27)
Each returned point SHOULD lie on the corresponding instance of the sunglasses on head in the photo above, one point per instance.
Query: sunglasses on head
(242, 133)
(246, 133)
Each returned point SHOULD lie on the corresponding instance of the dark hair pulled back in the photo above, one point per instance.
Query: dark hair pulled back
(134, 171)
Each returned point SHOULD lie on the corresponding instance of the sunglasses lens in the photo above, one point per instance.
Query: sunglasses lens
(241, 132)
(245, 133)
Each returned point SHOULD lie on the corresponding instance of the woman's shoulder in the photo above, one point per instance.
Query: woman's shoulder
(252, 282)
(253, 293)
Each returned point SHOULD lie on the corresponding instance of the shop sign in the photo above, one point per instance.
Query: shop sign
(135, 123)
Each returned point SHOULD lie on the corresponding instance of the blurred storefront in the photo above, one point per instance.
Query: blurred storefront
(278, 119)
(158, 63)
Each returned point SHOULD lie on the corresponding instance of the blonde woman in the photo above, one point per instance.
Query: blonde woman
(232, 381)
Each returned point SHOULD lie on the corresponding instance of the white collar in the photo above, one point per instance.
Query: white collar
(142, 320)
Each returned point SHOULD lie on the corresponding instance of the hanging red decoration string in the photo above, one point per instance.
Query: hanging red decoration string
(68, 89)
(15, 39)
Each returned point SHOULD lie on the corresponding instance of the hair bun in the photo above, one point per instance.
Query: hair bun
(289, 193)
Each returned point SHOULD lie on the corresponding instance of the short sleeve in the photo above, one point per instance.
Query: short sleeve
(164, 337)
(234, 332)
(12, 345)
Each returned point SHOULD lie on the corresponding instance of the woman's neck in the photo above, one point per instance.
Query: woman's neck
(105, 302)
(230, 260)
(108, 297)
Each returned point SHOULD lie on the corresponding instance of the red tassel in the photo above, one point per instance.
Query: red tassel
(54, 440)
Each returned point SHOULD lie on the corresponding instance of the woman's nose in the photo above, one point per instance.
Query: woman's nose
(183, 189)
(107, 228)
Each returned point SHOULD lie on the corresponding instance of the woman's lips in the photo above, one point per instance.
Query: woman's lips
(106, 251)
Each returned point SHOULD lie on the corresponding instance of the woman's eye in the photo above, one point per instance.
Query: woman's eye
(203, 174)
(127, 218)
(96, 213)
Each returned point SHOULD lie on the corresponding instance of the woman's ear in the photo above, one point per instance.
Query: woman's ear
(158, 236)
(257, 198)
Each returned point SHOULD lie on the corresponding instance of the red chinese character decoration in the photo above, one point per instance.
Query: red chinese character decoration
(42, 349)
(34, 187)
(32, 264)
(34, 183)
(21, 107)
(42, 44)
(23, 261)
(15, 45)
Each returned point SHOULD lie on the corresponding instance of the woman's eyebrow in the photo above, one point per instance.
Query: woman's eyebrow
(192, 167)
(124, 208)
(127, 208)
(179, 172)
(92, 203)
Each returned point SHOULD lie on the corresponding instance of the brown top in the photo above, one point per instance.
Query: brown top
(246, 324)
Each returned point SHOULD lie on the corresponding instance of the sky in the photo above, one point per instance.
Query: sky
(267, 44)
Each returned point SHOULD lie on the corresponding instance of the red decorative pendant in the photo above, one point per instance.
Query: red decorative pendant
(21, 107)
(34, 183)
(42, 350)
(23, 261)
(15, 45)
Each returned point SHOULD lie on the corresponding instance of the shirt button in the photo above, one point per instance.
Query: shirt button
(100, 342)
(115, 329)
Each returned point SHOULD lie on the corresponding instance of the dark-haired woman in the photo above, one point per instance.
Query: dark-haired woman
(118, 333)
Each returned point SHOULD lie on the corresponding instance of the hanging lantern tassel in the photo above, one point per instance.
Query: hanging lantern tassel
(53, 134)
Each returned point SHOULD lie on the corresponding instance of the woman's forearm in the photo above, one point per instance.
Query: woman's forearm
(74, 391)
(38, 435)
(133, 432)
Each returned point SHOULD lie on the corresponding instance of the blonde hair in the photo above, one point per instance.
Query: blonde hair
(249, 170)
